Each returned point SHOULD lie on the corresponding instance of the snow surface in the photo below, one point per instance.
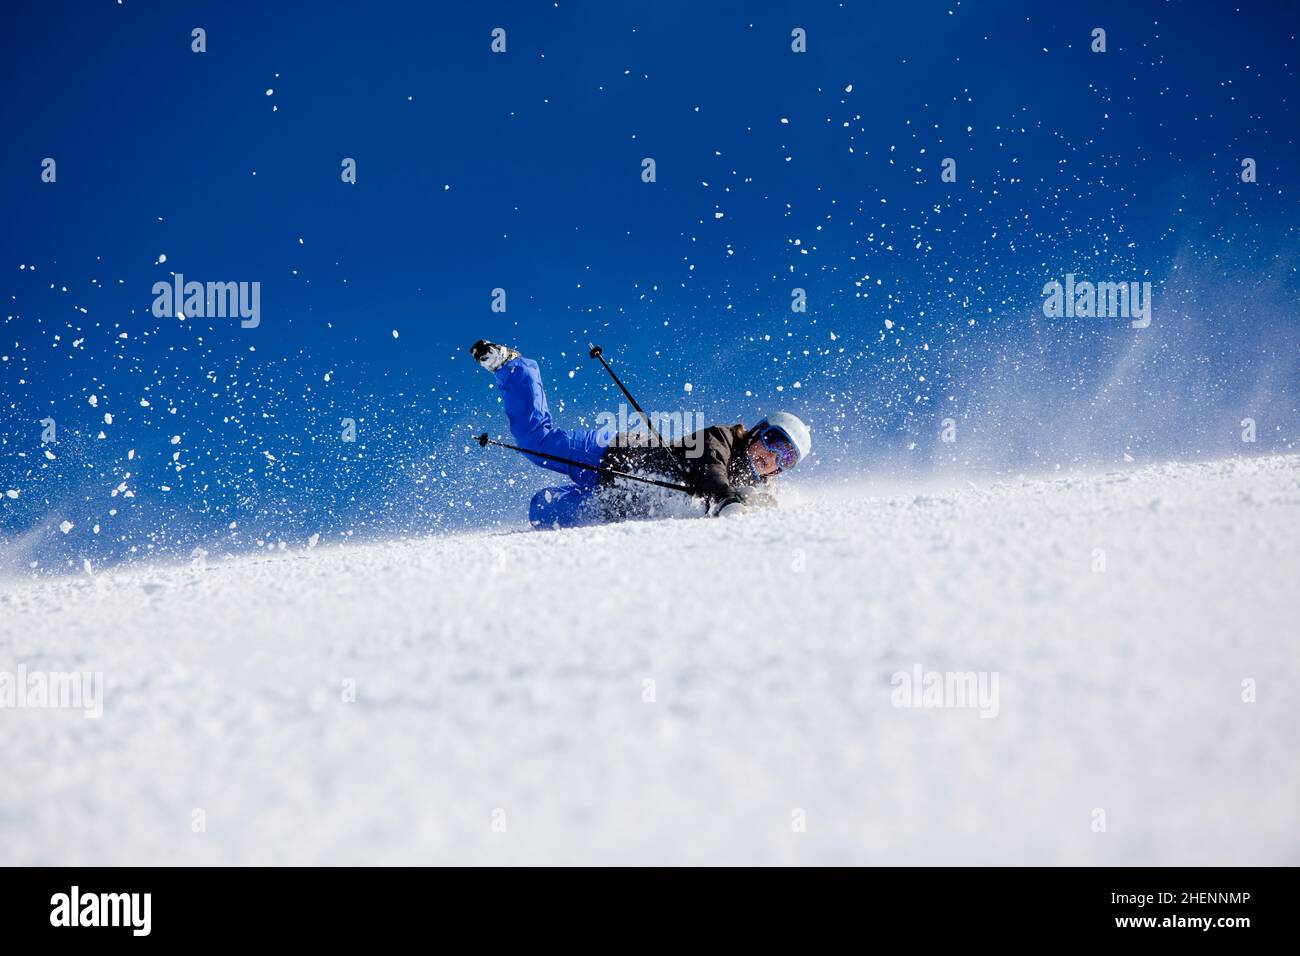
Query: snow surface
(500, 677)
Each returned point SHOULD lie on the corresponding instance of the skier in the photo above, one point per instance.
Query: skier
(728, 466)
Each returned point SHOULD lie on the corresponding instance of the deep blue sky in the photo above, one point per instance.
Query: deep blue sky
(522, 171)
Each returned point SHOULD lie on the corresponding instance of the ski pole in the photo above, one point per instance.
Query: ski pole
(598, 353)
(484, 441)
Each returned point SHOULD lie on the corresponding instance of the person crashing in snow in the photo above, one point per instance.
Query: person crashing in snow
(728, 467)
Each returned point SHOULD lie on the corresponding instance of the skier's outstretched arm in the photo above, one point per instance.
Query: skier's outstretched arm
(712, 480)
(713, 477)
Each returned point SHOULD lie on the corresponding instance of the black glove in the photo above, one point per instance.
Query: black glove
(732, 507)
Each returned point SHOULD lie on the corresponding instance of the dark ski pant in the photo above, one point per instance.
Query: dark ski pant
(520, 381)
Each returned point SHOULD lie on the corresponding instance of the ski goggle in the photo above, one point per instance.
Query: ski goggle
(779, 444)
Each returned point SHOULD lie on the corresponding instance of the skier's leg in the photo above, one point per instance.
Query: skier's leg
(565, 507)
(520, 381)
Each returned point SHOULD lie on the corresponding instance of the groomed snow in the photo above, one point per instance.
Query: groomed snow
(500, 678)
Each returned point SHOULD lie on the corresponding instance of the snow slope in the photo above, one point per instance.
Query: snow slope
(500, 678)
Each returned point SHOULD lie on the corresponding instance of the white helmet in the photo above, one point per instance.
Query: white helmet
(792, 427)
